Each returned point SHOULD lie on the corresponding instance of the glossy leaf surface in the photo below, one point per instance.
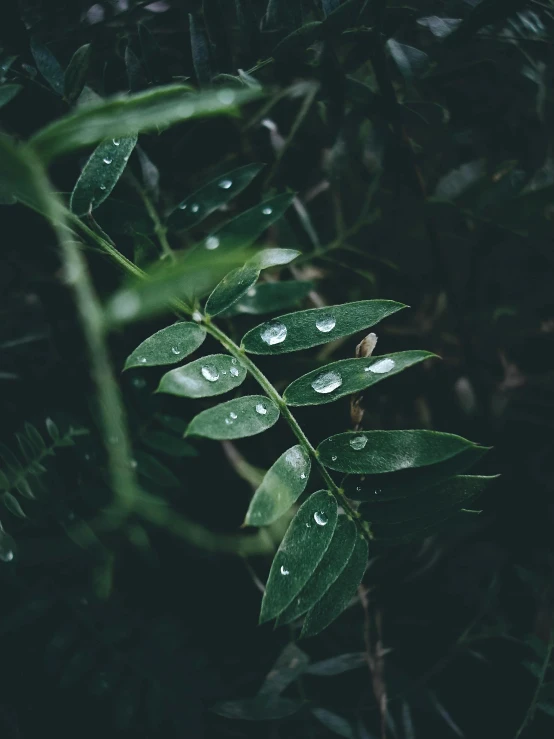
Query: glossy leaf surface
(214, 374)
(76, 73)
(236, 418)
(168, 346)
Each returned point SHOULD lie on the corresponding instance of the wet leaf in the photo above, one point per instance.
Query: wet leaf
(301, 550)
(308, 328)
(329, 569)
(101, 174)
(235, 419)
(282, 485)
(338, 596)
(8, 92)
(355, 375)
(76, 73)
(168, 346)
(212, 196)
(48, 65)
(268, 297)
(214, 374)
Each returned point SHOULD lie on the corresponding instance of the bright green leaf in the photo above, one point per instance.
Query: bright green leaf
(377, 452)
(168, 346)
(100, 174)
(236, 418)
(76, 73)
(268, 297)
(212, 196)
(308, 328)
(214, 374)
(48, 65)
(338, 596)
(282, 485)
(8, 92)
(354, 375)
(301, 550)
(333, 563)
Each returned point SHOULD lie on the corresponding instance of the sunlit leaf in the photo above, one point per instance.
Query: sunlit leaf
(168, 346)
(236, 418)
(76, 73)
(8, 92)
(304, 329)
(268, 297)
(282, 485)
(214, 374)
(212, 196)
(100, 174)
(48, 65)
(333, 563)
(338, 596)
(301, 550)
(320, 386)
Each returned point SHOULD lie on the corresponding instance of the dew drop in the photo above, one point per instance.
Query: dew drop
(175, 350)
(274, 333)
(334, 458)
(183, 206)
(197, 316)
(233, 415)
(267, 211)
(226, 97)
(125, 305)
(102, 187)
(233, 361)
(377, 492)
(326, 323)
(210, 373)
(211, 243)
(107, 160)
(226, 184)
(358, 442)
(228, 421)
(115, 142)
(134, 464)
(327, 382)
(358, 489)
(303, 476)
(261, 409)
(195, 208)
(320, 518)
(380, 367)
(234, 371)
(284, 570)
(143, 360)
(251, 292)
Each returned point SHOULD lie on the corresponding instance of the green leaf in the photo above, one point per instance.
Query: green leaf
(453, 493)
(236, 418)
(35, 438)
(135, 73)
(262, 708)
(4, 482)
(8, 92)
(239, 281)
(168, 346)
(48, 65)
(244, 229)
(410, 61)
(13, 506)
(168, 444)
(150, 110)
(214, 374)
(76, 73)
(402, 484)
(212, 196)
(308, 328)
(376, 452)
(354, 375)
(338, 665)
(405, 531)
(152, 469)
(301, 550)
(282, 485)
(52, 429)
(338, 596)
(333, 563)
(292, 663)
(335, 723)
(271, 296)
(298, 40)
(200, 52)
(100, 174)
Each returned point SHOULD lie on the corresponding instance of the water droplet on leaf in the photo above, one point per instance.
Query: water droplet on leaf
(234, 371)
(380, 367)
(183, 206)
(267, 211)
(327, 382)
(102, 187)
(212, 242)
(284, 571)
(175, 350)
(107, 160)
(233, 415)
(195, 208)
(334, 458)
(115, 142)
(320, 518)
(226, 184)
(358, 442)
(261, 409)
(326, 323)
(226, 97)
(274, 333)
(210, 373)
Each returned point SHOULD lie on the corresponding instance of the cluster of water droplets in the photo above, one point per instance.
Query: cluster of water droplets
(381, 366)
(232, 417)
(326, 382)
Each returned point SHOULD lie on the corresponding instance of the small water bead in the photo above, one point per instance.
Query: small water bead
(233, 361)
(284, 570)
(175, 350)
(234, 371)
(251, 292)
(210, 373)
(358, 489)
(380, 367)
(134, 464)
(226, 97)
(195, 208)
(334, 458)
(183, 206)
(358, 442)
(107, 160)
(327, 382)
(303, 476)
(143, 360)
(261, 409)
(274, 333)
(321, 518)
(102, 187)
(233, 415)
(267, 211)
(326, 324)
(226, 184)
(212, 242)
(228, 421)
(115, 142)
(377, 492)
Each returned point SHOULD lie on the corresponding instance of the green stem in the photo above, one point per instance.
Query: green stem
(542, 677)
(159, 228)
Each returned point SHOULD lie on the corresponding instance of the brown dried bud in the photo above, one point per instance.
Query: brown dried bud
(366, 346)
(356, 411)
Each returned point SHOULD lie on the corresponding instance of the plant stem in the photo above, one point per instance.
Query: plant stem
(542, 677)
(159, 228)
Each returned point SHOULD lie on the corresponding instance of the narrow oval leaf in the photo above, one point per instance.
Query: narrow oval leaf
(13, 506)
(338, 596)
(376, 452)
(168, 346)
(404, 483)
(76, 73)
(235, 419)
(316, 326)
(271, 296)
(152, 109)
(355, 375)
(405, 531)
(214, 374)
(100, 174)
(8, 92)
(244, 229)
(282, 485)
(333, 563)
(212, 196)
(152, 469)
(48, 65)
(338, 665)
(200, 51)
(298, 40)
(301, 550)
(452, 493)
(291, 663)
(261, 708)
